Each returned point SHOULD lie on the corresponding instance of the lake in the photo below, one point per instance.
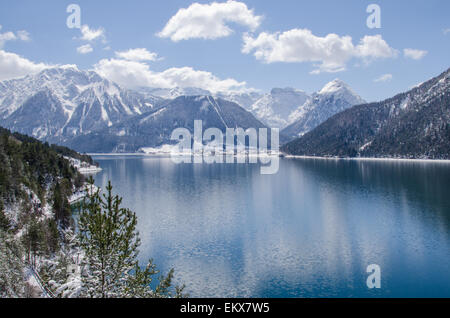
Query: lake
(311, 230)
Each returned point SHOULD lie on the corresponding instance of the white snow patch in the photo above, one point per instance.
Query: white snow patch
(365, 146)
(83, 167)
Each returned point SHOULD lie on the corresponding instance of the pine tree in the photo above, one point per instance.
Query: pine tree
(61, 206)
(139, 281)
(109, 239)
(11, 267)
(52, 236)
(61, 273)
(110, 242)
(33, 241)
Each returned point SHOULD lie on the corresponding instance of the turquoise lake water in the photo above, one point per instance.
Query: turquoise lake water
(310, 230)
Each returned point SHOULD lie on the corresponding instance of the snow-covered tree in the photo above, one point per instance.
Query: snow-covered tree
(110, 241)
(139, 281)
(62, 272)
(11, 267)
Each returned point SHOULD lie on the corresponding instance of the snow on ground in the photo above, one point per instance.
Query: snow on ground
(205, 150)
(78, 195)
(83, 167)
(365, 146)
(33, 282)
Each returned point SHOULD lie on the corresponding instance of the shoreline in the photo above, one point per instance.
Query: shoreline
(370, 159)
(287, 157)
(290, 157)
(164, 154)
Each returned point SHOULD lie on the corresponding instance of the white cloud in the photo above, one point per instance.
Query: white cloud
(414, 54)
(134, 74)
(383, 78)
(88, 34)
(446, 31)
(13, 66)
(137, 55)
(85, 49)
(7, 36)
(209, 21)
(330, 53)
(373, 47)
(21, 35)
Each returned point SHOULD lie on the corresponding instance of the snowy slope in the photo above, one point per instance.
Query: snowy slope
(155, 128)
(333, 98)
(62, 102)
(414, 124)
(272, 109)
(172, 93)
(244, 99)
(276, 108)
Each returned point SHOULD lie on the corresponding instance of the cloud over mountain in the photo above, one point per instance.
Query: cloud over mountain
(209, 21)
(330, 53)
(134, 74)
(13, 65)
(140, 54)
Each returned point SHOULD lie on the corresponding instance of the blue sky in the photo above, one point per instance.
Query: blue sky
(281, 37)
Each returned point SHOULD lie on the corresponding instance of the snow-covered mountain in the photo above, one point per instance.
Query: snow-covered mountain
(172, 93)
(275, 108)
(62, 102)
(414, 124)
(333, 98)
(244, 99)
(281, 107)
(155, 128)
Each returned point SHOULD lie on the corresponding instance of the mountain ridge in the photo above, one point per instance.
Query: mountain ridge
(84, 101)
(333, 98)
(413, 124)
(62, 104)
(154, 128)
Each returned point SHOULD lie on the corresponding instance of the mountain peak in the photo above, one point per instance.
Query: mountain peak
(334, 86)
(408, 125)
(73, 67)
(60, 69)
(172, 93)
(80, 100)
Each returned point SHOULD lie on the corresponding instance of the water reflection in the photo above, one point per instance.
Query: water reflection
(308, 231)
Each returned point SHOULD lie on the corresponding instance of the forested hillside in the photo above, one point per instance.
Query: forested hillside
(42, 252)
(36, 182)
(35, 177)
(415, 124)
